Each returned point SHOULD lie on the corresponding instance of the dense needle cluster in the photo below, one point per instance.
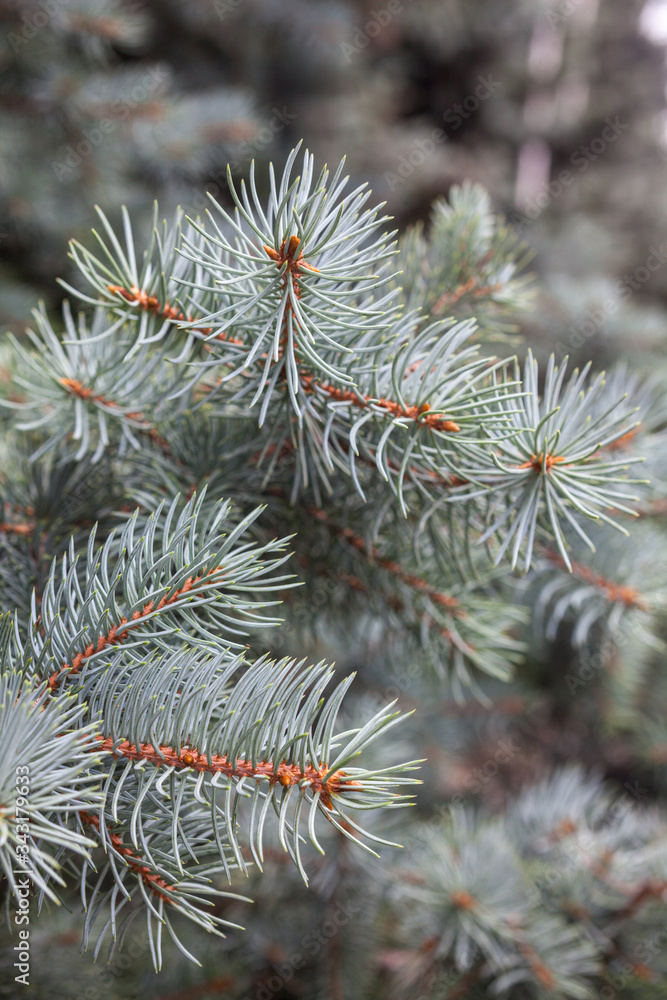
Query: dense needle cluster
(260, 407)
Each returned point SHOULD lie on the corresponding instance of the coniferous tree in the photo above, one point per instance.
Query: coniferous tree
(273, 438)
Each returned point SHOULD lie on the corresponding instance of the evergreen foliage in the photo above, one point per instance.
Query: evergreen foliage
(273, 431)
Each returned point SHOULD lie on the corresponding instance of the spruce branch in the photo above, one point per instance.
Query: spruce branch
(493, 912)
(628, 596)
(145, 586)
(45, 776)
(130, 883)
(554, 471)
(423, 588)
(296, 315)
(135, 288)
(469, 264)
(296, 280)
(263, 731)
(616, 588)
(154, 882)
(97, 384)
(434, 352)
(421, 408)
(272, 355)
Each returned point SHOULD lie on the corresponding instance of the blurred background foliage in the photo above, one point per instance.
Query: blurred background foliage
(107, 102)
(558, 108)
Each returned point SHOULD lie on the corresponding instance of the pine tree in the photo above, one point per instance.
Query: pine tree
(275, 437)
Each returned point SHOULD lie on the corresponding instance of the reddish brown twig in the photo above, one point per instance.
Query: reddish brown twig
(288, 254)
(77, 388)
(23, 528)
(370, 553)
(150, 878)
(537, 462)
(150, 303)
(283, 774)
(217, 985)
(462, 899)
(419, 413)
(467, 288)
(646, 893)
(629, 596)
(118, 633)
(624, 440)
(542, 973)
